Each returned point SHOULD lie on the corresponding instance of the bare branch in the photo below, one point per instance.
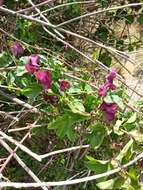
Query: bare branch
(63, 151)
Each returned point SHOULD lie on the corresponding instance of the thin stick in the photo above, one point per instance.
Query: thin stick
(63, 151)
(9, 87)
(7, 68)
(66, 43)
(30, 126)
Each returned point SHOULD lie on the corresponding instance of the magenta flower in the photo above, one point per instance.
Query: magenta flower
(109, 110)
(44, 78)
(16, 49)
(103, 89)
(108, 85)
(33, 65)
(64, 85)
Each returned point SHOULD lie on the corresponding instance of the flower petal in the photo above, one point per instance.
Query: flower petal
(64, 85)
(16, 49)
(44, 78)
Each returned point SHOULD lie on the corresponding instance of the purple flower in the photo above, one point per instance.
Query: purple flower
(108, 85)
(112, 74)
(33, 65)
(109, 110)
(64, 85)
(44, 78)
(103, 89)
(16, 49)
(49, 98)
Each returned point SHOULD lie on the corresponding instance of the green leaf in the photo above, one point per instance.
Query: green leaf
(102, 32)
(64, 124)
(88, 89)
(97, 135)
(140, 19)
(105, 58)
(23, 60)
(124, 151)
(113, 98)
(76, 106)
(5, 59)
(137, 135)
(117, 126)
(99, 166)
(129, 126)
(118, 101)
(20, 71)
(129, 19)
(118, 182)
(109, 184)
(11, 78)
(140, 102)
(95, 54)
(90, 102)
(132, 119)
(133, 173)
(75, 89)
(134, 178)
(108, 99)
(32, 91)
